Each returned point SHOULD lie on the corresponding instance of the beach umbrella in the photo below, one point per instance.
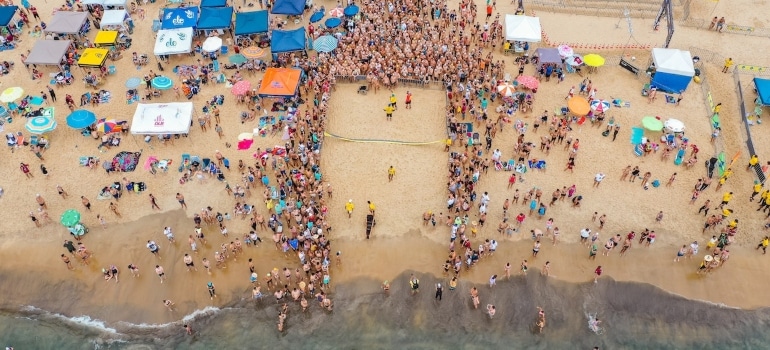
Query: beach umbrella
(565, 51)
(574, 60)
(245, 136)
(336, 12)
(317, 16)
(107, 126)
(708, 258)
(600, 106)
(212, 43)
(578, 106)
(351, 11)
(506, 89)
(325, 43)
(333, 22)
(162, 83)
(674, 125)
(237, 59)
(133, 83)
(252, 52)
(11, 94)
(40, 125)
(652, 123)
(71, 217)
(241, 87)
(528, 81)
(593, 60)
(36, 101)
(81, 118)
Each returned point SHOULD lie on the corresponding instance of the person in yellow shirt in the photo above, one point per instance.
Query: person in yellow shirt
(448, 144)
(371, 207)
(728, 64)
(763, 244)
(349, 207)
(757, 188)
(752, 162)
(391, 173)
(388, 111)
(393, 101)
(726, 198)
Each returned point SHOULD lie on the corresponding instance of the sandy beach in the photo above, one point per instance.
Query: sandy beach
(355, 158)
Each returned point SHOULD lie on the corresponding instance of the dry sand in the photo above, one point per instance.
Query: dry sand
(358, 171)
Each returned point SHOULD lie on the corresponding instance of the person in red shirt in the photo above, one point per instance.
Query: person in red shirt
(25, 169)
(408, 101)
(597, 273)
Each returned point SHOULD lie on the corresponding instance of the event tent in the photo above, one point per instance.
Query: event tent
(215, 18)
(182, 17)
(116, 3)
(113, 18)
(213, 3)
(48, 52)
(173, 41)
(93, 58)
(251, 22)
(522, 28)
(288, 40)
(763, 90)
(106, 38)
(92, 2)
(6, 15)
(280, 82)
(673, 69)
(288, 7)
(162, 118)
(64, 22)
(549, 55)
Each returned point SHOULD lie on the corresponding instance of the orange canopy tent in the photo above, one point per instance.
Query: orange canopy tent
(280, 82)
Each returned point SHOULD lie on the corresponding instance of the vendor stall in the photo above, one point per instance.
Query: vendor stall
(106, 38)
(182, 17)
(247, 23)
(288, 7)
(673, 70)
(114, 19)
(288, 41)
(48, 52)
(162, 118)
(65, 22)
(93, 58)
(213, 18)
(173, 41)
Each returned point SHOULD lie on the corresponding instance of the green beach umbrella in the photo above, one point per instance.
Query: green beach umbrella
(652, 123)
(237, 59)
(722, 163)
(71, 217)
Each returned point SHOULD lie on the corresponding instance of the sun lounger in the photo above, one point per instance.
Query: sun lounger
(185, 162)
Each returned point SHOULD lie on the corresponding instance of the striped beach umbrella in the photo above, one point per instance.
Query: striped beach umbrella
(600, 106)
(337, 12)
(40, 125)
(325, 43)
(506, 89)
(253, 52)
(162, 83)
(107, 126)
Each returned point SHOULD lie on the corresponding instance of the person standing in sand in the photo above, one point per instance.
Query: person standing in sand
(153, 202)
(114, 208)
(161, 273)
(597, 273)
(349, 206)
(180, 199)
(67, 262)
(391, 173)
(168, 304)
(62, 192)
(212, 290)
(188, 261)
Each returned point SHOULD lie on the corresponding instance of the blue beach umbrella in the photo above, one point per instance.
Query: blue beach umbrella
(333, 22)
(351, 10)
(133, 83)
(40, 125)
(81, 118)
(325, 43)
(317, 16)
(162, 83)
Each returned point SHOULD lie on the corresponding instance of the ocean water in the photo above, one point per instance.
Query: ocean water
(633, 315)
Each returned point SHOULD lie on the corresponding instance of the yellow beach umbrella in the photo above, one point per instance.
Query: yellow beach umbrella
(11, 94)
(593, 60)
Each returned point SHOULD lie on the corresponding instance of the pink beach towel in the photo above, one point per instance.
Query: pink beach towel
(244, 144)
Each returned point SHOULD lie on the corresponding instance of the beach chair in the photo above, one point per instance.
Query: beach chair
(273, 192)
(476, 138)
(155, 25)
(3, 112)
(224, 50)
(185, 162)
(221, 78)
(509, 165)
(205, 163)
(33, 140)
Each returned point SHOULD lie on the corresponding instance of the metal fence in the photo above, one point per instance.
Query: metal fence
(428, 84)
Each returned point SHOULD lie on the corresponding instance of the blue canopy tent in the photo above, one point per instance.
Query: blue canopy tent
(254, 22)
(763, 90)
(179, 18)
(288, 41)
(215, 18)
(213, 3)
(6, 15)
(673, 70)
(289, 7)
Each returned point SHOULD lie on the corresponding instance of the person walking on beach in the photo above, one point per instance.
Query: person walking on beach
(62, 192)
(180, 199)
(67, 262)
(491, 310)
(114, 208)
(212, 291)
(408, 101)
(597, 273)
(168, 304)
(188, 261)
(439, 288)
(391, 173)
(414, 283)
(388, 112)
(154, 249)
(725, 69)
(762, 244)
(153, 202)
(161, 273)
(349, 206)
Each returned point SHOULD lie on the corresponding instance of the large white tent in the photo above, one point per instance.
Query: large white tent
(162, 118)
(673, 69)
(66, 22)
(113, 18)
(173, 41)
(523, 28)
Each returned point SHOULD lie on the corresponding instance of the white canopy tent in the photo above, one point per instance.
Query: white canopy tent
(116, 3)
(113, 18)
(92, 2)
(523, 28)
(673, 61)
(162, 118)
(173, 41)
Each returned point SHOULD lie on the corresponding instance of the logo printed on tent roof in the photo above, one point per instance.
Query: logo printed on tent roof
(159, 121)
(178, 21)
(190, 14)
(276, 85)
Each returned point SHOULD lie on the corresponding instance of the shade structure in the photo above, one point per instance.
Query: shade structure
(506, 89)
(578, 106)
(212, 44)
(253, 52)
(215, 18)
(317, 16)
(280, 82)
(173, 41)
(162, 83)
(241, 87)
(333, 22)
(48, 52)
(288, 7)
(40, 125)
(288, 40)
(351, 10)
(674, 125)
(336, 12)
(528, 81)
(593, 60)
(762, 86)
(133, 82)
(674, 70)
(574, 60)
(162, 118)
(251, 22)
(66, 22)
(107, 126)
(93, 58)
(11, 94)
(106, 38)
(565, 51)
(70, 217)
(600, 106)
(652, 123)
(237, 59)
(181, 17)
(523, 28)
(325, 43)
(80, 119)
(6, 14)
